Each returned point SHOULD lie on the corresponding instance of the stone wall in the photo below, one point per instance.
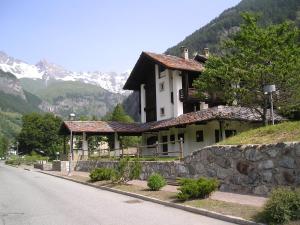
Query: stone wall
(43, 166)
(245, 169)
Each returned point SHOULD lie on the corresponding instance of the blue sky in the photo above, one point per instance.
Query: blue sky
(87, 35)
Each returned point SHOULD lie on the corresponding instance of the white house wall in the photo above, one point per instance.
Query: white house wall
(163, 97)
(177, 85)
(190, 143)
(143, 103)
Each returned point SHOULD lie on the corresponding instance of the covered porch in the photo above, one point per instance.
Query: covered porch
(76, 134)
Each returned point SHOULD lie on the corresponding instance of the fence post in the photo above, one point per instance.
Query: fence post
(181, 149)
(156, 149)
(138, 151)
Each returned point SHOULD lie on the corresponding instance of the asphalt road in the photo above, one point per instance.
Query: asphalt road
(28, 197)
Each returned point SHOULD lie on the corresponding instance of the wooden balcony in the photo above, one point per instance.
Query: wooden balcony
(189, 95)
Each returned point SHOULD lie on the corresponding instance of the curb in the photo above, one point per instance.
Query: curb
(203, 212)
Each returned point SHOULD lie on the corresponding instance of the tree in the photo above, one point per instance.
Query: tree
(4, 144)
(254, 57)
(40, 133)
(119, 115)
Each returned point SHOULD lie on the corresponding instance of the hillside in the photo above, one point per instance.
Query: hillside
(65, 97)
(10, 124)
(284, 132)
(272, 11)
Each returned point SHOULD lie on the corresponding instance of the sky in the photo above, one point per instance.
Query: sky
(103, 35)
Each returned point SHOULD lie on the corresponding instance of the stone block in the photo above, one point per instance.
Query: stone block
(267, 176)
(272, 152)
(267, 164)
(287, 162)
(253, 154)
(261, 190)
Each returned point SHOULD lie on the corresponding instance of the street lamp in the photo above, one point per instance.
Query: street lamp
(269, 89)
(71, 117)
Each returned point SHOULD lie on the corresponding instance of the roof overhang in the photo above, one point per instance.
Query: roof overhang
(170, 62)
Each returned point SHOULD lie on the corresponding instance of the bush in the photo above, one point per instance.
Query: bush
(283, 206)
(99, 174)
(196, 188)
(25, 159)
(156, 182)
(127, 170)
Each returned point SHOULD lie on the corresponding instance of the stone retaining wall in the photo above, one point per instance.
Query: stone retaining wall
(245, 169)
(44, 166)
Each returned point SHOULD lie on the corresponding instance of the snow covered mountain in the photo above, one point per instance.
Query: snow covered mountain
(44, 70)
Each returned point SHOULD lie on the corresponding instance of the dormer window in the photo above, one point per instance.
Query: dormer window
(162, 86)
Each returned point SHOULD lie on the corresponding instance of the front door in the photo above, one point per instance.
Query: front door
(165, 145)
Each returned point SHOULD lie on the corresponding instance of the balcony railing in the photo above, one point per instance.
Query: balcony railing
(189, 95)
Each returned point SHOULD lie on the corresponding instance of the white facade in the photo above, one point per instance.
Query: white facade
(167, 83)
(143, 103)
(190, 141)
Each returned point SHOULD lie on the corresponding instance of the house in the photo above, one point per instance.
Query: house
(170, 109)
(168, 99)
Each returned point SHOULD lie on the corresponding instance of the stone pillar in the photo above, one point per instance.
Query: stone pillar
(117, 144)
(143, 103)
(85, 148)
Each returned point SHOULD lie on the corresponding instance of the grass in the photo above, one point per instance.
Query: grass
(25, 160)
(244, 211)
(283, 132)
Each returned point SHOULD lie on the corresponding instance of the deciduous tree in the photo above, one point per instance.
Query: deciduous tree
(254, 57)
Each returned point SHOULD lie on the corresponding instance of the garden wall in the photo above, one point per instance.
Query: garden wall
(245, 169)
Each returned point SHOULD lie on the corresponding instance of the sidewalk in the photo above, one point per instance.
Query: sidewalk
(218, 195)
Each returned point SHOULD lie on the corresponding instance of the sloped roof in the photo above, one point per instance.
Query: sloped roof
(214, 113)
(174, 62)
(141, 68)
(99, 127)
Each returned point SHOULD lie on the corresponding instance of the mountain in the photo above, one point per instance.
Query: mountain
(272, 11)
(46, 71)
(15, 101)
(13, 98)
(65, 97)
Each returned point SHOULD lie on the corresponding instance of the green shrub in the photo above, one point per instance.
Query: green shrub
(156, 182)
(127, 170)
(283, 206)
(25, 159)
(99, 174)
(196, 188)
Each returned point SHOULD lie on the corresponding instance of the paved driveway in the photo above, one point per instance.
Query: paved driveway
(28, 197)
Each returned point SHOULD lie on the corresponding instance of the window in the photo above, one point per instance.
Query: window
(152, 140)
(199, 136)
(229, 133)
(162, 111)
(162, 86)
(172, 97)
(181, 136)
(172, 139)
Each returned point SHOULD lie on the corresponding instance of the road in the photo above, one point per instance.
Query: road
(32, 198)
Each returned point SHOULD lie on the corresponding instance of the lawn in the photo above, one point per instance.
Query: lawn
(283, 132)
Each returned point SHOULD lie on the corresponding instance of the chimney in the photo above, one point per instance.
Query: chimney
(206, 52)
(184, 52)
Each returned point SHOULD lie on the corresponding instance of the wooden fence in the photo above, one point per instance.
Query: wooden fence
(139, 151)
